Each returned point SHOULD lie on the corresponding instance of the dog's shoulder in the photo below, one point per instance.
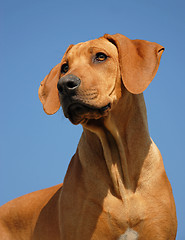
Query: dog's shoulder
(20, 214)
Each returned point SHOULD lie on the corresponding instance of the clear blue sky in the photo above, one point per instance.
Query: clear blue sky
(35, 149)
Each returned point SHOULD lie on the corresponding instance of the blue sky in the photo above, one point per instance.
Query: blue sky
(35, 149)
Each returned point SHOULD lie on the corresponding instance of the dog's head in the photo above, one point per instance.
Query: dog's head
(92, 75)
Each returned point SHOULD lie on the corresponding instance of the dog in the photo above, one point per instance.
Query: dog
(115, 187)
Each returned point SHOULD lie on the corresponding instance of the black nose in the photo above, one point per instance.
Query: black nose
(68, 84)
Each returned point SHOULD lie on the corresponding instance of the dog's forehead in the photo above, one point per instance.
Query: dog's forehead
(96, 45)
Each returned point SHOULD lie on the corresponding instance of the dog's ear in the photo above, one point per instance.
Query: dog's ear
(139, 61)
(48, 92)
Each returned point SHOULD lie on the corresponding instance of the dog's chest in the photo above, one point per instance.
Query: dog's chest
(132, 219)
(106, 220)
(113, 219)
(121, 215)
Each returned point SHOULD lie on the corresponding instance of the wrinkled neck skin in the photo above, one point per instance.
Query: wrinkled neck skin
(120, 143)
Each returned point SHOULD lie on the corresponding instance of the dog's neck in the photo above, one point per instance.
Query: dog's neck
(123, 142)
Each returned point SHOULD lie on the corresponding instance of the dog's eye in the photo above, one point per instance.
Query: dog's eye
(64, 68)
(100, 57)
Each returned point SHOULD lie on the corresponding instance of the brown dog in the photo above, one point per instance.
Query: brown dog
(116, 187)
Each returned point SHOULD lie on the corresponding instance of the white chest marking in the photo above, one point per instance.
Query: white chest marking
(129, 235)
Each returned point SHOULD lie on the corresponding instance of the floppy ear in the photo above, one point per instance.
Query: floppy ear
(48, 92)
(139, 61)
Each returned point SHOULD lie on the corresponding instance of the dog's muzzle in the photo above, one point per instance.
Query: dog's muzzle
(74, 108)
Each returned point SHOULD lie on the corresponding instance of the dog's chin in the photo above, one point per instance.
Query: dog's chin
(80, 113)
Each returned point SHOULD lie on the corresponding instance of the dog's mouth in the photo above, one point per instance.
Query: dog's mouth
(81, 113)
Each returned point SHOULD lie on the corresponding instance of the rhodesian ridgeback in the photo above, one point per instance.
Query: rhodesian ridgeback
(115, 187)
